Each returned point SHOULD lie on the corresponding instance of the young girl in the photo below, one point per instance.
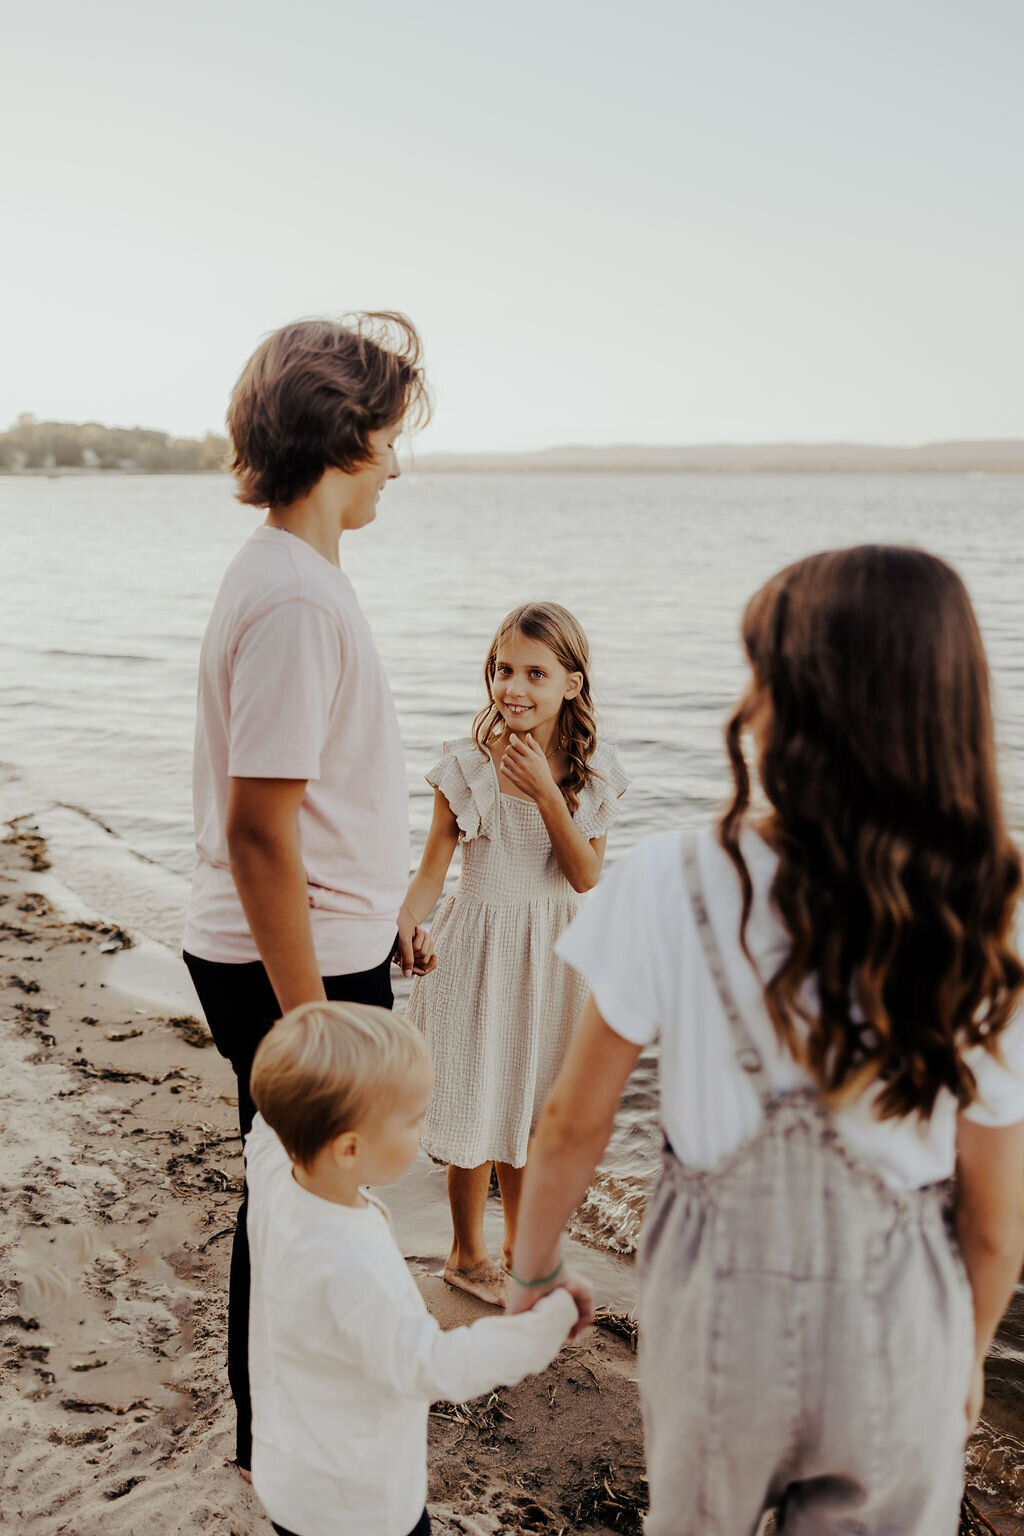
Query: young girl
(836, 991)
(531, 796)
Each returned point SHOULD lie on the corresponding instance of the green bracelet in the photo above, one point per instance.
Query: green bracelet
(532, 1285)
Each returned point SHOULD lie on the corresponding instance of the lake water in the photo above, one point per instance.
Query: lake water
(108, 582)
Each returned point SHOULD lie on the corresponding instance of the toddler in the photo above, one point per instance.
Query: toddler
(344, 1357)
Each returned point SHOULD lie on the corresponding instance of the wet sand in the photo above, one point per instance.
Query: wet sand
(120, 1173)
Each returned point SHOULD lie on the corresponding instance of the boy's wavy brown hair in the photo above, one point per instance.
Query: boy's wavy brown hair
(311, 394)
(897, 881)
(555, 627)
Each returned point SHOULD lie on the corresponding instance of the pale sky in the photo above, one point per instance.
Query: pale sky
(674, 222)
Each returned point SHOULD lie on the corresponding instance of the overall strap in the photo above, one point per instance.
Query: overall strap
(747, 1055)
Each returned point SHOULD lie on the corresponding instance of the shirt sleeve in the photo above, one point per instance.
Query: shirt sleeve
(625, 942)
(285, 674)
(409, 1352)
(1000, 1083)
(264, 1154)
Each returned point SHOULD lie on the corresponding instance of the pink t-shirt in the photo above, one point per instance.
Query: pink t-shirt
(291, 687)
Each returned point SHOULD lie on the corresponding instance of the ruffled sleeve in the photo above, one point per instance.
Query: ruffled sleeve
(466, 779)
(600, 797)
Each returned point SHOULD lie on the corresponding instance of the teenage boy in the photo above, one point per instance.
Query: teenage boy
(299, 787)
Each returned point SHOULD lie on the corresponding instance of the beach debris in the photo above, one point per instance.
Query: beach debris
(29, 841)
(224, 1232)
(119, 1075)
(192, 1031)
(621, 1508)
(115, 936)
(84, 1405)
(484, 1417)
(622, 1323)
(117, 1035)
(29, 1015)
(22, 984)
(14, 932)
(34, 903)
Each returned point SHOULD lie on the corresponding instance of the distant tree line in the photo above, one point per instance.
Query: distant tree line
(53, 445)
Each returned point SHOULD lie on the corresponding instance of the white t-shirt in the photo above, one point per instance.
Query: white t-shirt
(291, 687)
(637, 944)
(345, 1359)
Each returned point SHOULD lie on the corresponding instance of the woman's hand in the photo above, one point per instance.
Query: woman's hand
(527, 768)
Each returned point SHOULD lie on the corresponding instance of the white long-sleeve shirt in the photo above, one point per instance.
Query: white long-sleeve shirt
(345, 1359)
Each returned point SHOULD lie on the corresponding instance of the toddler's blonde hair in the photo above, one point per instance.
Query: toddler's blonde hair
(324, 1067)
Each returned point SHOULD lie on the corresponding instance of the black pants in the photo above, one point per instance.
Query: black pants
(240, 1008)
(422, 1529)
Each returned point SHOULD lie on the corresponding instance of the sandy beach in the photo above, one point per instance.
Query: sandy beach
(120, 1174)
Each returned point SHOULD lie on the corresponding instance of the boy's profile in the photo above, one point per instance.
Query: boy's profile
(344, 1357)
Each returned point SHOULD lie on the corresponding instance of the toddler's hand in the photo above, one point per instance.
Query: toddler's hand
(524, 1298)
(526, 767)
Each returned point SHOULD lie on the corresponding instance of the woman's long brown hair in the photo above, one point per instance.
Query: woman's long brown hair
(558, 629)
(896, 881)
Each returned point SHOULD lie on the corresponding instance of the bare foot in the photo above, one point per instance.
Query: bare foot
(485, 1281)
(244, 1472)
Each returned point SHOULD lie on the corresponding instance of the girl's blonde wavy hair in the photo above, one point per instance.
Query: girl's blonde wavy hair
(553, 626)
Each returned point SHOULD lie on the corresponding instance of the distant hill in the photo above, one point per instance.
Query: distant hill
(995, 457)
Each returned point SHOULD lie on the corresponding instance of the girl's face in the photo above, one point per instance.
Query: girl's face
(530, 684)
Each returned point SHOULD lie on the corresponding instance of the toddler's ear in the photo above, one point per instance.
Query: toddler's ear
(345, 1147)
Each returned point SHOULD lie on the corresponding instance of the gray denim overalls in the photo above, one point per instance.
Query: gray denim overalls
(806, 1331)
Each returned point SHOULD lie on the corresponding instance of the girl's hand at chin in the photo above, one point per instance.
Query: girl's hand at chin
(526, 767)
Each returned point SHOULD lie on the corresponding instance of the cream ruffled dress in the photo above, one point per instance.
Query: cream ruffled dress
(499, 1010)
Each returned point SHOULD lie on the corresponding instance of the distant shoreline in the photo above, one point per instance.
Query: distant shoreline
(56, 449)
(467, 468)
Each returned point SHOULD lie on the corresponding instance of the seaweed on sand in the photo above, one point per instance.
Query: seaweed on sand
(622, 1323)
(485, 1416)
(605, 1504)
(192, 1031)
